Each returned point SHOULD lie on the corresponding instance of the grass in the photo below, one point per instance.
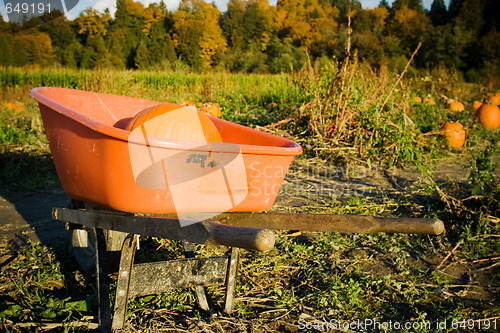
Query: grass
(308, 277)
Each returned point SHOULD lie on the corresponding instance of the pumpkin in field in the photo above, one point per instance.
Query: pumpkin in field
(417, 99)
(430, 101)
(489, 116)
(456, 106)
(476, 105)
(212, 109)
(455, 134)
(171, 121)
(494, 99)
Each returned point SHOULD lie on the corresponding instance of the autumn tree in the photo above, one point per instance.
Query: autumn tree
(62, 36)
(151, 15)
(91, 23)
(197, 34)
(92, 27)
(368, 35)
(37, 45)
(309, 24)
(409, 26)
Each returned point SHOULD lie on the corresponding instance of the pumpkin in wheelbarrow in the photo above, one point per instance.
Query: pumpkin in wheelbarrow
(173, 121)
(96, 160)
(194, 173)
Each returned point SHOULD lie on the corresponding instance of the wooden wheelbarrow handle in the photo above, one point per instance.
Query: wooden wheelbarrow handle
(205, 232)
(246, 230)
(363, 224)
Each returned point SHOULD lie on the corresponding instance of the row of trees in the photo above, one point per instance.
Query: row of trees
(253, 36)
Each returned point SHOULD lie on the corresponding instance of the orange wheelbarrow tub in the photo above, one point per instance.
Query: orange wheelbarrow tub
(94, 155)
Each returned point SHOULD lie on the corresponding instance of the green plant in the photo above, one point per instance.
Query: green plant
(482, 176)
(33, 288)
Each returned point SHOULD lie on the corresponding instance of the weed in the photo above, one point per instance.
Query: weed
(35, 288)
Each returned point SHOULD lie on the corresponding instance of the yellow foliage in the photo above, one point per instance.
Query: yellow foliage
(92, 23)
(378, 16)
(404, 15)
(133, 8)
(200, 21)
(264, 40)
(151, 15)
(308, 22)
(39, 42)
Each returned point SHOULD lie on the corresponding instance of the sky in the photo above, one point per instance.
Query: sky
(100, 5)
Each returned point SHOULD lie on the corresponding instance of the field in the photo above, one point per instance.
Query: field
(369, 148)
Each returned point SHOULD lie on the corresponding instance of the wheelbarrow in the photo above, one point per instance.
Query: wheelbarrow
(107, 170)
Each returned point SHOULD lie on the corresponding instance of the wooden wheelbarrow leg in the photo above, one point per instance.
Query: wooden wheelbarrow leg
(232, 272)
(123, 281)
(101, 264)
(201, 297)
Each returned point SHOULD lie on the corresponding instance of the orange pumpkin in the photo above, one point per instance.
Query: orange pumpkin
(455, 134)
(212, 109)
(489, 116)
(430, 101)
(456, 106)
(171, 121)
(476, 105)
(417, 99)
(494, 99)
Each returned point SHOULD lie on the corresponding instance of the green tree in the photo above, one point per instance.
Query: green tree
(412, 4)
(6, 55)
(115, 44)
(169, 49)
(489, 51)
(142, 57)
(258, 23)
(232, 24)
(71, 55)
(345, 5)
(62, 36)
(129, 19)
(454, 7)
(444, 46)
(438, 13)
(95, 53)
(19, 53)
(384, 3)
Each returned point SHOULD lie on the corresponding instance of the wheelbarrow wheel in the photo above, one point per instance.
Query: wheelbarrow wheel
(83, 242)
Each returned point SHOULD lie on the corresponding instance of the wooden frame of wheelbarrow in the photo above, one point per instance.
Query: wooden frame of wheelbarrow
(236, 230)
